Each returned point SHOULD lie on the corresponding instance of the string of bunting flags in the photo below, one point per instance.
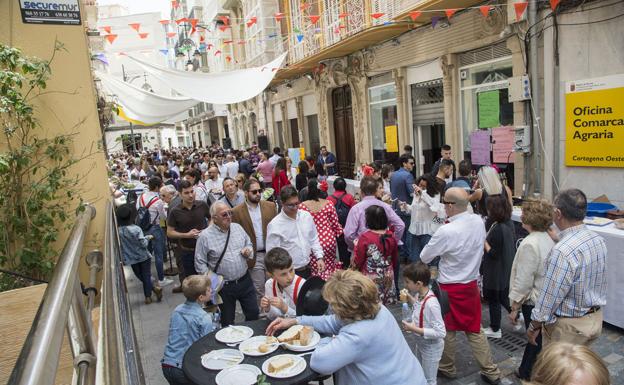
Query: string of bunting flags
(229, 22)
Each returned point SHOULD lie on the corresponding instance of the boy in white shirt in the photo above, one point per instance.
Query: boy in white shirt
(282, 289)
(427, 322)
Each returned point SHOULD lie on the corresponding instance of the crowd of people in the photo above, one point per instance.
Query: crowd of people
(251, 227)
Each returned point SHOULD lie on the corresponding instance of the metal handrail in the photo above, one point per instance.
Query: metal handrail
(38, 361)
(121, 362)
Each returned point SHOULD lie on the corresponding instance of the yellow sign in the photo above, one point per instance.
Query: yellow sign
(392, 141)
(595, 122)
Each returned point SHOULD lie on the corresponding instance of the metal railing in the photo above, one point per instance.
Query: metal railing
(114, 358)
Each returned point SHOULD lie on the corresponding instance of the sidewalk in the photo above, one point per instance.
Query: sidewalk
(152, 323)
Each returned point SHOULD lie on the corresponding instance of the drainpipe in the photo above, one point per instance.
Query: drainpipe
(535, 99)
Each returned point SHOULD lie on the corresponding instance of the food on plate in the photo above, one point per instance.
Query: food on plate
(280, 363)
(301, 334)
(265, 347)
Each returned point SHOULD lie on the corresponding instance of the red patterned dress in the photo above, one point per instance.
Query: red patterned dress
(328, 228)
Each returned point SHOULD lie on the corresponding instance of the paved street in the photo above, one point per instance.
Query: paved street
(152, 322)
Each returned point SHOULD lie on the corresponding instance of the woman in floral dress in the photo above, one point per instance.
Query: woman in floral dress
(376, 252)
(327, 226)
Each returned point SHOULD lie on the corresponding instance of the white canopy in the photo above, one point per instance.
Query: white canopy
(216, 88)
(144, 106)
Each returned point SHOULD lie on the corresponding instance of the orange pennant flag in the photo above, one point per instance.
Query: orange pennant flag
(485, 10)
(520, 8)
(554, 4)
(450, 12)
(377, 15)
(106, 28)
(171, 34)
(164, 21)
(202, 39)
(143, 35)
(228, 58)
(343, 15)
(193, 23)
(218, 52)
(182, 20)
(252, 21)
(279, 16)
(225, 20)
(111, 38)
(314, 18)
(415, 15)
(135, 26)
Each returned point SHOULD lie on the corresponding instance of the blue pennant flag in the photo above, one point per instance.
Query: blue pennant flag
(164, 51)
(299, 38)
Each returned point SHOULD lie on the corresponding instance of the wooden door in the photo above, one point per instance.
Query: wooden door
(343, 131)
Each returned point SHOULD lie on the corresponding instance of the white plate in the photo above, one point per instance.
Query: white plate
(298, 367)
(233, 334)
(298, 348)
(250, 346)
(221, 359)
(243, 374)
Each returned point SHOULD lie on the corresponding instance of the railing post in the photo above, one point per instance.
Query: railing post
(81, 338)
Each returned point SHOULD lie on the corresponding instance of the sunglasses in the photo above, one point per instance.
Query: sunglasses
(449, 203)
(258, 191)
(225, 214)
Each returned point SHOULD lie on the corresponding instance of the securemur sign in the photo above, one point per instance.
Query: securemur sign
(50, 12)
(595, 122)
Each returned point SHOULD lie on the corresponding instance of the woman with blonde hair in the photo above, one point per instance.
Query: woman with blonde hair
(367, 346)
(563, 363)
(527, 272)
(489, 183)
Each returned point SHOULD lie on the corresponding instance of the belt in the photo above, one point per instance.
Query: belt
(237, 280)
(592, 309)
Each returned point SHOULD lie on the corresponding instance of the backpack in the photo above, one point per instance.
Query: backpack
(143, 216)
(342, 209)
(445, 306)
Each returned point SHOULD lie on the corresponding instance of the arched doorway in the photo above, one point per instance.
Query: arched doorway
(343, 131)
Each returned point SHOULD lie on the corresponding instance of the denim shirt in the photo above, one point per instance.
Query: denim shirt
(189, 322)
(401, 185)
(133, 244)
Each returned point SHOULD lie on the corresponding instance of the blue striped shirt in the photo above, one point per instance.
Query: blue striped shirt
(575, 279)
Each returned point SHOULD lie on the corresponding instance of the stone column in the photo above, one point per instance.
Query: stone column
(221, 127)
(452, 127)
(285, 126)
(361, 131)
(303, 129)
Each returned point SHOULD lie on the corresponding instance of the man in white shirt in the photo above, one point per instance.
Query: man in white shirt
(294, 230)
(231, 167)
(276, 155)
(213, 184)
(460, 247)
(221, 165)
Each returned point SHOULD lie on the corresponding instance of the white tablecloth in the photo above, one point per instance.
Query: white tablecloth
(614, 238)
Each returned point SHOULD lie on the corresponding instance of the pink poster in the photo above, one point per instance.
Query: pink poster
(480, 147)
(503, 139)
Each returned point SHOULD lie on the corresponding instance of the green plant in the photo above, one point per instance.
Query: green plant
(38, 191)
(262, 380)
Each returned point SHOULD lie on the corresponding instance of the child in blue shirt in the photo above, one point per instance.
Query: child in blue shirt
(189, 322)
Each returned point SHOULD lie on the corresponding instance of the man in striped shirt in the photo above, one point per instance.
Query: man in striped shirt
(568, 308)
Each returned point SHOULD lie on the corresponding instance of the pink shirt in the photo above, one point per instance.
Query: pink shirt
(266, 169)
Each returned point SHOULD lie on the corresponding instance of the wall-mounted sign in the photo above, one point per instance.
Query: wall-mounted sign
(594, 122)
(50, 12)
(392, 140)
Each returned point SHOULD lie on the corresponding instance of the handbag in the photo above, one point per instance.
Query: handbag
(217, 279)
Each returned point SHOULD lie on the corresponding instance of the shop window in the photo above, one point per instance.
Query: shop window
(383, 122)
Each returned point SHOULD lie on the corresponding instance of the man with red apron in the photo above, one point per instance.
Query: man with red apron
(459, 244)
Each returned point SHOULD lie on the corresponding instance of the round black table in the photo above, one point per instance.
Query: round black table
(199, 375)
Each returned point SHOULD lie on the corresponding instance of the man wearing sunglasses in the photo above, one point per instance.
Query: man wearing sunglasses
(459, 244)
(294, 230)
(254, 216)
(228, 242)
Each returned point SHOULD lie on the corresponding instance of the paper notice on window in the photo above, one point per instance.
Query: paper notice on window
(488, 103)
(503, 139)
(480, 148)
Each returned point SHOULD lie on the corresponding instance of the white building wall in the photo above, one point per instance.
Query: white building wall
(586, 51)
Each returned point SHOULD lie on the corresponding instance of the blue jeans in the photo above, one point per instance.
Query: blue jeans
(143, 271)
(418, 244)
(188, 262)
(157, 247)
(404, 250)
(175, 376)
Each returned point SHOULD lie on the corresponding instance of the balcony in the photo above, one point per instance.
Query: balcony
(366, 23)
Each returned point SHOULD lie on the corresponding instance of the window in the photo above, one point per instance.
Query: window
(483, 83)
(383, 114)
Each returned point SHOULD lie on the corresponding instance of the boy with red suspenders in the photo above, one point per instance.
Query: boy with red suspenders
(282, 289)
(427, 322)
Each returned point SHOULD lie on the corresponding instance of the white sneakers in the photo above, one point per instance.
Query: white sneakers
(165, 282)
(491, 333)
